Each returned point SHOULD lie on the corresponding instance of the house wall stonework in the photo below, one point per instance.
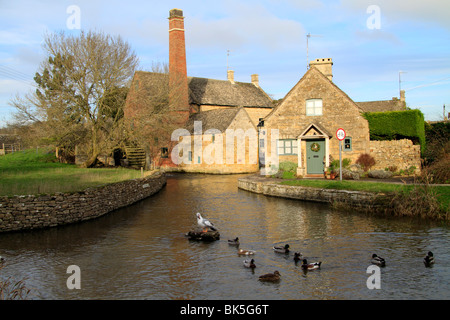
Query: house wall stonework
(236, 152)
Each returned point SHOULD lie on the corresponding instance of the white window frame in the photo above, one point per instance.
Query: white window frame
(287, 147)
(314, 107)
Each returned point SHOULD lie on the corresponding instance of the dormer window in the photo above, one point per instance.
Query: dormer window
(314, 107)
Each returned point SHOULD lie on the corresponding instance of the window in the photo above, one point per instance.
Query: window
(348, 144)
(164, 153)
(190, 156)
(287, 147)
(314, 107)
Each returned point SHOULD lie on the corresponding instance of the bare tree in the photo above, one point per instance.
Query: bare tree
(81, 91)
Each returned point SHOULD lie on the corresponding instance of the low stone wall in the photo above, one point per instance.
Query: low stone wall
(42, 211)
(400, 153)
(367, 201)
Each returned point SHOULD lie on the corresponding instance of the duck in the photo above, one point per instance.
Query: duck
(246, 252)
(429, 259)
(378, 260)
(270, 277)
(281, 249)
(234, 242)
(311, 266)
(204, 223)
(250, 263)
(2, 260)
(297, 256)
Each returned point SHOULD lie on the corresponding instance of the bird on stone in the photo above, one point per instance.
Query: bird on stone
(204, 223)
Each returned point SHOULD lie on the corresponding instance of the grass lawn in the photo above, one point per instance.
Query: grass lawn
(442, 192)
(37, 172)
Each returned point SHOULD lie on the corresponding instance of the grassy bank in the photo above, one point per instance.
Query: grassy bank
(37, 172)
(413, 196)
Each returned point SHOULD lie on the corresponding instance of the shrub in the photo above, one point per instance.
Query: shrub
(285, 170)
(288, 166)
(420, 201)
(380, 174)
(366, 161)
(334, 165)
(395, 125)
(438, 172)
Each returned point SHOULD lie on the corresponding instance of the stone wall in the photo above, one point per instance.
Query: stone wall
(42, 211)
(368, 201)
(400, 153)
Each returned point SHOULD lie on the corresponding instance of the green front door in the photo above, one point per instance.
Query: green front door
(315, 152)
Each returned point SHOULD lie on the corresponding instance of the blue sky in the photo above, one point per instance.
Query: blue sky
(264, 37)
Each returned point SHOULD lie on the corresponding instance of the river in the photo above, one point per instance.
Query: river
(141, 252)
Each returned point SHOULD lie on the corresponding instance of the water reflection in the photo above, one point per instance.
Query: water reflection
(141, 252)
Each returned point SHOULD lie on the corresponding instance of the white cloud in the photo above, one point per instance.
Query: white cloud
(245, 26)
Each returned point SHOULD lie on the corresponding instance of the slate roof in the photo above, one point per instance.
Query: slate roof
(224, 93)
(219, 119)
(203, 91)
(382, 106)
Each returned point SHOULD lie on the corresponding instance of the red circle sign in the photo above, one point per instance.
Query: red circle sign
(340, 134)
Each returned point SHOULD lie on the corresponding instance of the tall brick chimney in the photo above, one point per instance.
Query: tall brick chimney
(179, 94)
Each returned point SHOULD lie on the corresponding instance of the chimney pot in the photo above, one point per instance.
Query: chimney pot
(176, 13)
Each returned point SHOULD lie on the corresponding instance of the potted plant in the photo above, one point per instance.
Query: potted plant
(333, 169)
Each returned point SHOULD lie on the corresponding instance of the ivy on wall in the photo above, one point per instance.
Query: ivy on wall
(395, 125)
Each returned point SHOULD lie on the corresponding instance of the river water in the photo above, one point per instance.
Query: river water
(141, 252)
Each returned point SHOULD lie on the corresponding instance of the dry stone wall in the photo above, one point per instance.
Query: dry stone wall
(366, 201)
(399, 153)
(42, 211)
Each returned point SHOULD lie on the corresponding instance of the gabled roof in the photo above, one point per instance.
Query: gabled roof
(203, 91)
(316, 71)
(382, 106)
(224, 93)
(319, 128)
(219, 119)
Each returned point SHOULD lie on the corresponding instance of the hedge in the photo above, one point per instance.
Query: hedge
(395, 125)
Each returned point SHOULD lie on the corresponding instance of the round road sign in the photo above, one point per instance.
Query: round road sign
(340, 134)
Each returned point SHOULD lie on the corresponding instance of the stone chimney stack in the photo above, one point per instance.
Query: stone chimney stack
(179, 94)
(402, 99)
(255, 79)
(230, 76)
(324, 65)
(402, 95)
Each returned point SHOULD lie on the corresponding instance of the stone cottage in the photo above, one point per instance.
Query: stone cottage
(307, 120)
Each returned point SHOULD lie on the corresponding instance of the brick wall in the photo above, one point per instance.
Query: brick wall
(42, 211)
